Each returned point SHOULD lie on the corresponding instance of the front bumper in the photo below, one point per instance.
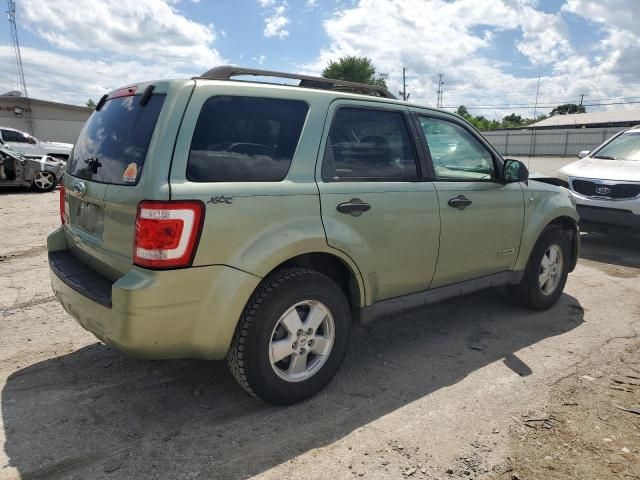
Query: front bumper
(604, 219)
(602, 214)
(184, 313)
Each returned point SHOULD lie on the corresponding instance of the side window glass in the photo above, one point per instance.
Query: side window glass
(367, 144)
(11, 136)
(245, 139)
(456, 154)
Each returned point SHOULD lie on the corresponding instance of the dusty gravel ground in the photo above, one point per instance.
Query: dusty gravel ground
(471, 388)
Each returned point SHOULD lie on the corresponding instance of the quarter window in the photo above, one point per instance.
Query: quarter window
(455, 152)
(368, 144)
(245, 139)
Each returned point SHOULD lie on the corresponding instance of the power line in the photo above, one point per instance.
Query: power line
(524, 107)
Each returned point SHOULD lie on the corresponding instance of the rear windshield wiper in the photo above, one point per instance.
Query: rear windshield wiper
(604, 157)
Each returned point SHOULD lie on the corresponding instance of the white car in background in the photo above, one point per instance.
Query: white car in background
(606, 184)
(31, 147)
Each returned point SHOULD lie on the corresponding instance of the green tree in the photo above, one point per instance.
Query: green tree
(480, 122)
(462, 111)
(355, 69)
(91, 104)
(568, 108)
(513, 120)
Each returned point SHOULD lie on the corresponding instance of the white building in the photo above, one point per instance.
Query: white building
(52, 121)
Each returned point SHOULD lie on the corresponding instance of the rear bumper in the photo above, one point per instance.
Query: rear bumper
(601, 218)
(185, 313)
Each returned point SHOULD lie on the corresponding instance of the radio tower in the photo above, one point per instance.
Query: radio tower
(22, 85)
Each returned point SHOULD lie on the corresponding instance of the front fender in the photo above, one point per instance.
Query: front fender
(544, 204)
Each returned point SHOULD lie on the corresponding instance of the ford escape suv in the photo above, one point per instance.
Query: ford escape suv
(226, 218)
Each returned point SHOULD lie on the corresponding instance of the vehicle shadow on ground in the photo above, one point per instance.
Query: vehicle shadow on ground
(95, 413)
(611, 249)
(21, 190)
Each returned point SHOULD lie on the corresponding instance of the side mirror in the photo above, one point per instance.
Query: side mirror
(32, 141)
(583, 153)
(514, 171)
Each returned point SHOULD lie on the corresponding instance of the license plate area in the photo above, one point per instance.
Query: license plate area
(89, 218)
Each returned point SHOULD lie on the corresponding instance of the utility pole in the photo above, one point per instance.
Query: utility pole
(22, 85)
(403, 93)
(581, 98)
(440, 90)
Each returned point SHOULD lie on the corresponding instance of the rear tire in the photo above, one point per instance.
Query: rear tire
(546, 273)
(292, 336)
(44, 181)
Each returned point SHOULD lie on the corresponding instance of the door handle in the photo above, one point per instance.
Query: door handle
(460, 202)
(354, 207)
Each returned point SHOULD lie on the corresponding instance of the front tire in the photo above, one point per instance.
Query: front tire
(546, 273)
(44, 181)
(292, 336)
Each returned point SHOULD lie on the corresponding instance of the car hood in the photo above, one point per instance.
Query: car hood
(628, 170)
(57, 144)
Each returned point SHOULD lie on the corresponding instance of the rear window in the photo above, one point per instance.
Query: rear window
(113, 144)
(245, 139)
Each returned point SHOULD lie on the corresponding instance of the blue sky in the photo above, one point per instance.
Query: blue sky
(491, 52)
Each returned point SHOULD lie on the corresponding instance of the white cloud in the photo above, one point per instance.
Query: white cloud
(104, 45)
(441, 36)
(57, 77)
(276, 21)
(151, 30)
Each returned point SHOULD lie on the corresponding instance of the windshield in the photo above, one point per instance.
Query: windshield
(113, 144)
(624, 147)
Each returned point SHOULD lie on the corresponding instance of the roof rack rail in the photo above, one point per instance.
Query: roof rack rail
(225, 72)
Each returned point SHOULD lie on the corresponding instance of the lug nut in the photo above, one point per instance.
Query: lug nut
(295, 345)
(302, 351)
(310, 331)
(311, 343)
(300, 332)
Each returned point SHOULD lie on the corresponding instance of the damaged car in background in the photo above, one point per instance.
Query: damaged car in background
(16, 170)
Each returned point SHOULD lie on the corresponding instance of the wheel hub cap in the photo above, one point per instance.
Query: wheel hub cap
(301, 341)
(550, 272)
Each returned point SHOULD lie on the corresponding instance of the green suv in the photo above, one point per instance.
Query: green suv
(225, 218)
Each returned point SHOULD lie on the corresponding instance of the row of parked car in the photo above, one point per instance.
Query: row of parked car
(605, 182)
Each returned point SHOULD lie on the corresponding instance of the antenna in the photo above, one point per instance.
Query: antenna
(22, 85)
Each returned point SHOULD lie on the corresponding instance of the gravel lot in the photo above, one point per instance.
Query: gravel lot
(471, 388)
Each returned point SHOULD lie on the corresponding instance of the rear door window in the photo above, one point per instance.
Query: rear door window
(368, 145)
(245, 139)
(113, 144)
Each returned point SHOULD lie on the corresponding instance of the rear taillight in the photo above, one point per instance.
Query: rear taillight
(167, 233)
(63, 215)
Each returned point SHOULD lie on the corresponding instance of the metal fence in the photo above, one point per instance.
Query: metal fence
(561, 142)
